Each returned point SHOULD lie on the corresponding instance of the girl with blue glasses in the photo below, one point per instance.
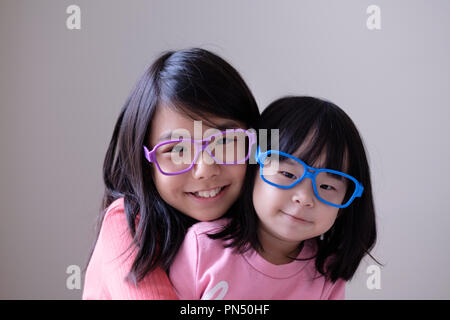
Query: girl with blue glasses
(305, 219)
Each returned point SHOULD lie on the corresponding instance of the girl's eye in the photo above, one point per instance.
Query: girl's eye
(327, 187)
(177, 149)
(288, 175)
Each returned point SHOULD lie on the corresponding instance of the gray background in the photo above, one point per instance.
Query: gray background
(61, 91)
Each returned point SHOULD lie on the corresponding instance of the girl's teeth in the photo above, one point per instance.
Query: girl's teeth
(208, 194)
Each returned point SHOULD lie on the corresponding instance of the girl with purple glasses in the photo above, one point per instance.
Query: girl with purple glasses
(162, 174)
(306, 215)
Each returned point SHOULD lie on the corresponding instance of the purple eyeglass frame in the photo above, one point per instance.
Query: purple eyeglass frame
(151, 157)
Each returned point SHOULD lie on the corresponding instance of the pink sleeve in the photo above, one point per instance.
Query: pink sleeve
(109, 265)
(184, 269)
(335, 291)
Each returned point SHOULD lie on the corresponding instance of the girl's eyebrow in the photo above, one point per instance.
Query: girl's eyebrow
(165, 136)
(228, 125)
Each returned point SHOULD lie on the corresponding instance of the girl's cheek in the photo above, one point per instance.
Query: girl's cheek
(234, 174)
(262, 194)
(239, 171)
(256, 191)
(327, 218)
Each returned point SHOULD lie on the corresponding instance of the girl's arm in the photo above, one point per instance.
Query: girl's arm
(111, 262)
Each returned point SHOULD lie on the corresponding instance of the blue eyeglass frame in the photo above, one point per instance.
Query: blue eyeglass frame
(309, 172)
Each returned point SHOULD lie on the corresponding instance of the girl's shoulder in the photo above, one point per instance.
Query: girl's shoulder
(115, 221)
(114, 227)
(116, 207)
(198, 244)
(198, 235)
(116, 212)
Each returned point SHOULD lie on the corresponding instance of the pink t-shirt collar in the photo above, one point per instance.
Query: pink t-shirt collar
(282, 271)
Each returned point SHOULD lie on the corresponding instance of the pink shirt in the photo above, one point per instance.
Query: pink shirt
(108, 267)
(203, 269)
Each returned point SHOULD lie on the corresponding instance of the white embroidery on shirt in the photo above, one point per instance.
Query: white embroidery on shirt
(222, 285)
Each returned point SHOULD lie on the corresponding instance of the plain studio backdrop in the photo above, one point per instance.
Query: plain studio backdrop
(62, 89)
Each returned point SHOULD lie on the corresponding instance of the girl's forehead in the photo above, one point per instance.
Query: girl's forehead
(318, 162)
(304, 149)
(189, 114)
(321, 158)
(168, 121)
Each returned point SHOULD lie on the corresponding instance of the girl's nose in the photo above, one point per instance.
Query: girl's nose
(303, 193)
(205, 167)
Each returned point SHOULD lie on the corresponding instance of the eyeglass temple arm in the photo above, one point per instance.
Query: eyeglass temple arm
(148, 154)
(359, 190)
(257, 155)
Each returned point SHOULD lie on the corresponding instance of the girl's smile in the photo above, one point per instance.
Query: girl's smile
(209, 194)
(296, 218)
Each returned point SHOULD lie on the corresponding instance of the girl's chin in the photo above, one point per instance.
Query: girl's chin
(205, 216)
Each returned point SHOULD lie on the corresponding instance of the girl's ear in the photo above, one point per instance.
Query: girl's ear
(149, 169)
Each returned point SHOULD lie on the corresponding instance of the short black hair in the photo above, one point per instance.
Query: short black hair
(330, 131)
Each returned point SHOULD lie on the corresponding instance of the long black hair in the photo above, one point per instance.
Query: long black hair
(331, 131)
(197, 83)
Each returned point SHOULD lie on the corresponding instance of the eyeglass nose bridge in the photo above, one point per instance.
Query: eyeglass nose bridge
(309, 172)
(203, 144)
